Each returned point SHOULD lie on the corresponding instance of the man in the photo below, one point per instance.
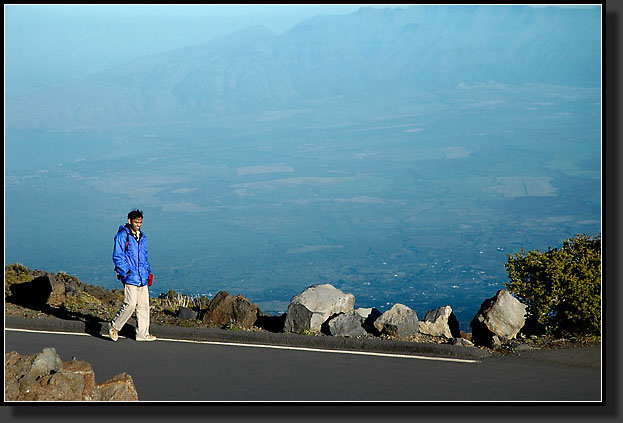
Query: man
(132, 267)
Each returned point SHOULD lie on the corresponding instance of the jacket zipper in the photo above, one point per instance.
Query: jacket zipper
(138, 260)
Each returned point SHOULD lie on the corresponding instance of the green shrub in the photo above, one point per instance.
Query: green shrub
(561, 287)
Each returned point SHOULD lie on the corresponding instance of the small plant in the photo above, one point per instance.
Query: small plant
(231, 326)
(17, 273)
(173, 301)
(561, 287)
(65, 278)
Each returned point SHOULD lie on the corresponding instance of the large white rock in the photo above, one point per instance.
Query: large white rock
(440, 322)
(308, 310)
(364, 312)
(399, 321)
(501, 316)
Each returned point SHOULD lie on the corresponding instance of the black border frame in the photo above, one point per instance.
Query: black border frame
(608, 409)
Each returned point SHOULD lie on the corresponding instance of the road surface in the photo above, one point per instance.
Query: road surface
(175, 370)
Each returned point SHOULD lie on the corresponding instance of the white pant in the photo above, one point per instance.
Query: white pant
(135, 298)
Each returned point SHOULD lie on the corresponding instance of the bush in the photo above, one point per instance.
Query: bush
(561, 287)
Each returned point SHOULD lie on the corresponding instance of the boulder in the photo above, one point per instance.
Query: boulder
(365, 312)
(46, 362)
(185, 313)
(60, 290)
(495, 343)
(271, 323)
(225, 309)
(39, 292)
(102, 294)
(347, 324)
(117, 388)
(370, 315)
(499, 319)
(399, 321)
(440, 322)
(308, 310)
(45, 377)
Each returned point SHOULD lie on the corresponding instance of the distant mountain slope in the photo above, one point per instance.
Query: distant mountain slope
(369, 54)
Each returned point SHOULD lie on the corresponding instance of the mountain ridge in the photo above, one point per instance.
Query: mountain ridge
(369, 54)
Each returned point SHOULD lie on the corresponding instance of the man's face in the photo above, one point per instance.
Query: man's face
(135, 224)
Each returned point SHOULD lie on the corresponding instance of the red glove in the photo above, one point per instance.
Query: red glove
(150, 279)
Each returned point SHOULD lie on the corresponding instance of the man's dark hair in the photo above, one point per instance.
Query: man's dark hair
(135, 214)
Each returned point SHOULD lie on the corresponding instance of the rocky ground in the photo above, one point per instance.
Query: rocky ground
(36, 294)
(45, 377)
(84, 302)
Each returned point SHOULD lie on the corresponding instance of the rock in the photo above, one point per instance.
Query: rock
(271, 323)
(370, 315)
(461, 341)
(75, 381)
(495, 343)
(308, 310)
(102, 294)
(225, 309)
(347, 324)
(44, 377)
(47, 361)
(39, 292)
(185, 313)
(72, 286)
(440, 322)
(499, 319)
(399, 321)
(117, 388)
(364, 312)
(524, 347)
(60, 291)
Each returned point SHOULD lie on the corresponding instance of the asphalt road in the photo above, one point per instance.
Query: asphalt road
(170, 371)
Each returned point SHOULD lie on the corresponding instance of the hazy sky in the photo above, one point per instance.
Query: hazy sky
(51, 44)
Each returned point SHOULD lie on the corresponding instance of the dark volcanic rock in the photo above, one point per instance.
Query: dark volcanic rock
(347, 324)
(226, 309)
(186, 313)
(41, 291)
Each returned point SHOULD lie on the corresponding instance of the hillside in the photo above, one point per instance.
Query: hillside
(419, 52)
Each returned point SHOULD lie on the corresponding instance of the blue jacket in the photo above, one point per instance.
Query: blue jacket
(131, 263)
